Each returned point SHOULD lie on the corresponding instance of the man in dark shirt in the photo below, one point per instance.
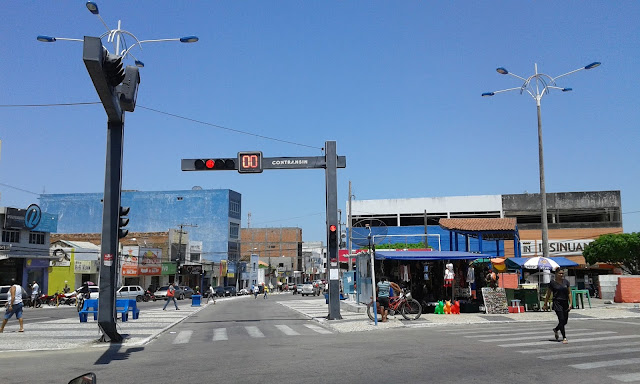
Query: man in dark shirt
(561, 291)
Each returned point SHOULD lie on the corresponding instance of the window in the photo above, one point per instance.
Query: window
(194, 257)
(36, 237)
(234, 230)
(234, 206)
(9, 236)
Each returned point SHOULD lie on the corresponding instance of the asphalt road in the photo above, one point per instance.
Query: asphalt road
(260, 341)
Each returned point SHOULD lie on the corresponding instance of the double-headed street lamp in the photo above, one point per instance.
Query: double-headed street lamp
(117, 88)
(537, 85)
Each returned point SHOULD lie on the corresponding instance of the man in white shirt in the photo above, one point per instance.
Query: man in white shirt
(35, 291)
(14, 305)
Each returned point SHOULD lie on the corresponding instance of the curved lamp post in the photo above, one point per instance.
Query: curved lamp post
(117, 88)
(117, 36)
(537, 85)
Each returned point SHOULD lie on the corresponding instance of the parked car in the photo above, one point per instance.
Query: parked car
(230, 291)
(291, 286)
(243, 291)
(5, 295)
(161, 293)
(188, 292)
(310, 288)
(219, 291)
(130, 292)
(299, 288)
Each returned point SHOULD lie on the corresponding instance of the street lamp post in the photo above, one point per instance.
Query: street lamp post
(537, 85)
(117, 88)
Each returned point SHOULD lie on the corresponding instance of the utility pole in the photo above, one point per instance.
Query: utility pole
(179, 258)
(349, 229)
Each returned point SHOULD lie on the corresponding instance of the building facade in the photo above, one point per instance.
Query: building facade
(280, 249)
(575, 219)
(24, 246)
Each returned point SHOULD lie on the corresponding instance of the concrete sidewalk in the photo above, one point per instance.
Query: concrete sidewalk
(71, 333)
(355, 319)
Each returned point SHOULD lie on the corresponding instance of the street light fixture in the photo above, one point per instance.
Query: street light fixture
(117, 36)
(537, 85)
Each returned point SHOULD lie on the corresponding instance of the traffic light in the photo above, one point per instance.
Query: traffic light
(215, 164)
(333, 236)
(123, 221)
(250, 162)
(112, 67)
(128, 90)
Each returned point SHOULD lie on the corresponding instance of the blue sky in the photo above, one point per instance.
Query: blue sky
(396, 84)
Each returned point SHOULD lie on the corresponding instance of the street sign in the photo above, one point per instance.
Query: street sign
(5, 247)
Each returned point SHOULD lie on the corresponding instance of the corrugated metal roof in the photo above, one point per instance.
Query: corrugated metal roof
(479, 225)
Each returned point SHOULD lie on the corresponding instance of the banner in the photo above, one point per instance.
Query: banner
(85, 266)
(130, 261)
(168, 269)
(150, 261)
(556, 247)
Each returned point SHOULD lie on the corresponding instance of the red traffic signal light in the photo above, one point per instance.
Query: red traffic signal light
(332, 228)
(215, 164)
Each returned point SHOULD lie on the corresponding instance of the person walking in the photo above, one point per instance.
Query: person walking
(14, 306)
(256, 291)
(35, 292)
(561, 291)
(266, 290)
(383, 292)
(171, 295)
(212, 294)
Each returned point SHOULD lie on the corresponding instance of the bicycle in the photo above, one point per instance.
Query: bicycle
(404, 304)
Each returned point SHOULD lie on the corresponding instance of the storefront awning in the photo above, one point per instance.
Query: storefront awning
(428, 256)
(518, 262)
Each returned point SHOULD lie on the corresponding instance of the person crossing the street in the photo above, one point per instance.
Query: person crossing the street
(171, 296)
(561, 291)
(14, 306)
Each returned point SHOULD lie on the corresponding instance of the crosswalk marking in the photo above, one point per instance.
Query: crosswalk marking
(570, 341)
(317, 329)
(545, 332)
(183, 337)
(534, 337)
(581, 347)
(493, 329)
(253, 331)
(287, 330)
(627, 377)
(220, 334)
(572, 355)
(607, 363)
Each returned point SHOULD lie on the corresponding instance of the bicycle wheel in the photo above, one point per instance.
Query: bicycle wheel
(79, 304)
(370, 310)
(411, 309)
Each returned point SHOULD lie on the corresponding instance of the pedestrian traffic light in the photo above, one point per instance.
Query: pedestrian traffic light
(112, 67)
(333, 236)
(123, 221)
(214, 165)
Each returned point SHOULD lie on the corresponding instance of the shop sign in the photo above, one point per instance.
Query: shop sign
(150, 261)
(87, 266)
(192, 269)
(556, 247)
(168, 269)
(37, 263)
(31, 218)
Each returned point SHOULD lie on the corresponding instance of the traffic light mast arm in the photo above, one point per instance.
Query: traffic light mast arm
(93, 56)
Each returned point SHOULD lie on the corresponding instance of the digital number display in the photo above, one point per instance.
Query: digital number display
(250, 162)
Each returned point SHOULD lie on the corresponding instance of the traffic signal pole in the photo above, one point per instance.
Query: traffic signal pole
(93, 57)
(331, 181)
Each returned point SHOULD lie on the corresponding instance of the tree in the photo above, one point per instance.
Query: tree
(622, 249)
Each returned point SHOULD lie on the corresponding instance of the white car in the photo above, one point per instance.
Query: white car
(310, 288)
(130, 292)
(94, 292)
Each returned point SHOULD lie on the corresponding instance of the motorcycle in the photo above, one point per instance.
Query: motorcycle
(148, 296)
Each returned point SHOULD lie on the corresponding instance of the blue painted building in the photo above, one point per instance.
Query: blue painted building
(215, 212)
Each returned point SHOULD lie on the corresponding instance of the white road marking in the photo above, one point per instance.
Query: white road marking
(607, 363)
(317, 328)
(581, 347)
(497, 339)
(527, 333)
(287, 330)
(571, 355)
(183, 337)
(571, 341)
(627, 377)
(220, 334)
(254, 331)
